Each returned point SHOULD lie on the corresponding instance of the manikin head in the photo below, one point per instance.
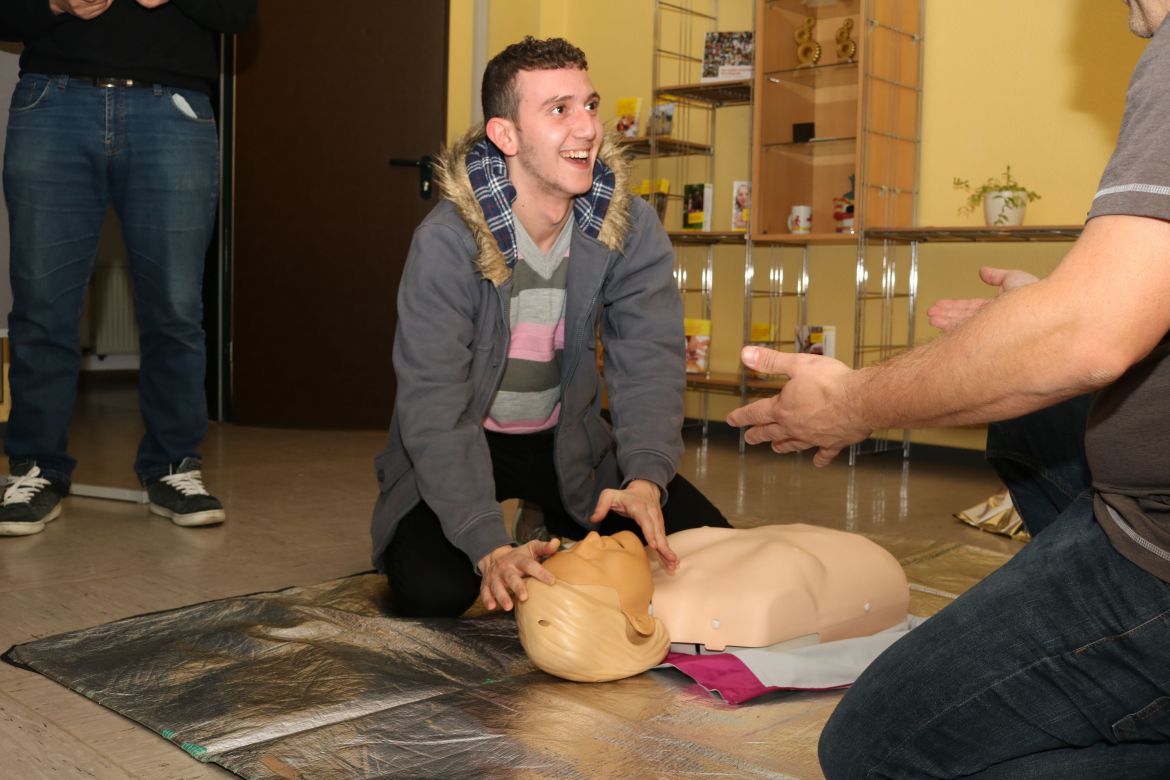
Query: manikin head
(541, 110)
(594, 623)
(1146, 16)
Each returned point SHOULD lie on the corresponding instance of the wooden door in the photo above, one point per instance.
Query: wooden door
(327, 94)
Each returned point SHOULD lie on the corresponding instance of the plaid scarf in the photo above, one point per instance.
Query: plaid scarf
(488, 173)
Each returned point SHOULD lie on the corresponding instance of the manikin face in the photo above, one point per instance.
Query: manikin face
(594, 623)
(1146, 16)
(558, 134)
(617, 561)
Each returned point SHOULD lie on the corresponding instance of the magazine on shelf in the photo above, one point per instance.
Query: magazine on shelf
(741, 204)
(728, 56)
(629, 111)
(817, 339)
(656, 194)
(696, 207)
(662, 119)
(698, 333)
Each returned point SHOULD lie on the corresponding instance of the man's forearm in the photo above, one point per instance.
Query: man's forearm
(1078, 330)
(999, 365)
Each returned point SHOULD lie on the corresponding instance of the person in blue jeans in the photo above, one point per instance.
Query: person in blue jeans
(112, 107)
(1058, 664)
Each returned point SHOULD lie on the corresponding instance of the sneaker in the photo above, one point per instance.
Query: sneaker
(181, 496)
(528, 524)
(30, 501)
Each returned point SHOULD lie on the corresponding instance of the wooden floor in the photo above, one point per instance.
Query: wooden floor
(298, 505)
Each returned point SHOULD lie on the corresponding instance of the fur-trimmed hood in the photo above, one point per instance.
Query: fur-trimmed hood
(455, 186)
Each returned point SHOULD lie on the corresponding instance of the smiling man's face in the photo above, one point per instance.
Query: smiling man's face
(558, 133)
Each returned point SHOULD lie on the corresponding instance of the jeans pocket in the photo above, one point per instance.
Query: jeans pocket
(1149, 724)
(29, 93)
(191, 105)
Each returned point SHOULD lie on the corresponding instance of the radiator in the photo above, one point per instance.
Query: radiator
(114, 330)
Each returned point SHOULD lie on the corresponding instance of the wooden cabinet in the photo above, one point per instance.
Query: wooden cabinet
(847, 122)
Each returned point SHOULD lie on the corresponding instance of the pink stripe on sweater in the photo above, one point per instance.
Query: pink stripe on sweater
(537, 343)
(524, 426)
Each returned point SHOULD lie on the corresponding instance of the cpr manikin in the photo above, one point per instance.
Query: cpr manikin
(752, 587)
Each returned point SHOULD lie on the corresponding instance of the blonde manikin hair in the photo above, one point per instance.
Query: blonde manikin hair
(581, 633)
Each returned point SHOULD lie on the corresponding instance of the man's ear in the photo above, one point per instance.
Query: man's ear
(502, 133)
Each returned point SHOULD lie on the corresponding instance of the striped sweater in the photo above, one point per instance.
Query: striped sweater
(529, 396)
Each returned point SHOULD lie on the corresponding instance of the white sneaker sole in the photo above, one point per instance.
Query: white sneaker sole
(28, 529)
(192, 519)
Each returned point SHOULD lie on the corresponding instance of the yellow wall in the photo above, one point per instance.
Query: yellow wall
(1038, 85)
(459, 77)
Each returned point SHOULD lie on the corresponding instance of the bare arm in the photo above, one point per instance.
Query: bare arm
(1102, 310)
(947, 314)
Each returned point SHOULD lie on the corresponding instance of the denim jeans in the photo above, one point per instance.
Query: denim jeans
(1041, 459)
(1055, 666)
(72, 149)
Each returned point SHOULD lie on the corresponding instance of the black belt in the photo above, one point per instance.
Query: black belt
(108, 82)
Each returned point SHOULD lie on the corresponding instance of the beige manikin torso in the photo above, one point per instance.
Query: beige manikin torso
(755, 587)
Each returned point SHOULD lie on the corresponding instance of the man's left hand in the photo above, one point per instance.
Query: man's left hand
(641, 502)
(152, 3)
(812, 411)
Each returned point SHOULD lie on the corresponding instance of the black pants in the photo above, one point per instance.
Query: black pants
(430, 577)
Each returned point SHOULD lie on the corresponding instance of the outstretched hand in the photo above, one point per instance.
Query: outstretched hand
(505, 568)
(947, 314)
(811, 412)
(641, 502)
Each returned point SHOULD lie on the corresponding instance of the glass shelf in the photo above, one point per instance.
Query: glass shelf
(815, 147)
(976, 234)
(712, 93)
(835, 74)
(640, 146)
(706, 236)
(805, 239)
(732, 381)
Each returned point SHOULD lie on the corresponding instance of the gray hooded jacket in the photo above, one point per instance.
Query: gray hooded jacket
(451, 345)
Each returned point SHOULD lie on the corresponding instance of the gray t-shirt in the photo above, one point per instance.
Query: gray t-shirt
(1128, 437)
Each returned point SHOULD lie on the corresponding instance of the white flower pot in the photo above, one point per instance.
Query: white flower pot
(998, 213)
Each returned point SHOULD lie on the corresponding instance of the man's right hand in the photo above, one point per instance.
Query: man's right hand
(505, 568)
(946, 314)
(82, 9)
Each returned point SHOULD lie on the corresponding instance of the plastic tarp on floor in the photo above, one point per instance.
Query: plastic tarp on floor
(318, 682)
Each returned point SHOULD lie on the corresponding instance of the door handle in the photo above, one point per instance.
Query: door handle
(425, 165)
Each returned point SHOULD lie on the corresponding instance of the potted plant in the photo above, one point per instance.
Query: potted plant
(1003, 199)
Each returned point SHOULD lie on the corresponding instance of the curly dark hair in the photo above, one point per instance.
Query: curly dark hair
(499, 96)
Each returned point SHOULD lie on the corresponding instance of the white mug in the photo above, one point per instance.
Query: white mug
(800, 220)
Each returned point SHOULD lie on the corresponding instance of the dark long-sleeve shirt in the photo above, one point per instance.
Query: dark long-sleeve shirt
(173, 44)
